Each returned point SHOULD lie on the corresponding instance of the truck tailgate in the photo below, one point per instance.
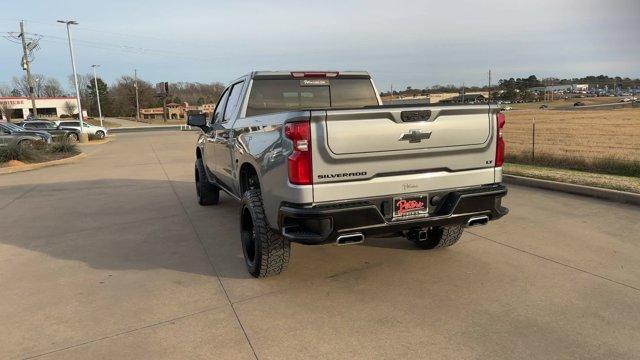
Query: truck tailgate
(392, 150)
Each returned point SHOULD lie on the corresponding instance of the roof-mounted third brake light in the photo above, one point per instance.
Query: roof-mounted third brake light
(314, 74)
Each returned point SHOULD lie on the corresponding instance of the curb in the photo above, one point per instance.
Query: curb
(151, 128)
(600, 193)
(69, 160)
(96, 142)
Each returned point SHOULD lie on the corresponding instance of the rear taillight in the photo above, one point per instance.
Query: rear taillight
(299, 161)
(501, 120)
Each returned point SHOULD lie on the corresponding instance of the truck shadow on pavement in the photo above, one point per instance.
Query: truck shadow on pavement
(123, 224)
(126, 224)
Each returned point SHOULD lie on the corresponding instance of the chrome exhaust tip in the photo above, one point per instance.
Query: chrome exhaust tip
(478, 221)
(350, 239)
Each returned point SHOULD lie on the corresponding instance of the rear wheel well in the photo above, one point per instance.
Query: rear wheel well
(248, 178)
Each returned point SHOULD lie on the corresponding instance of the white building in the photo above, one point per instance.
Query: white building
(561, 88)
(47, 107)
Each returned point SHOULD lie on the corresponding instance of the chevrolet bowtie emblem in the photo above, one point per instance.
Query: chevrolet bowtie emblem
(415, 136)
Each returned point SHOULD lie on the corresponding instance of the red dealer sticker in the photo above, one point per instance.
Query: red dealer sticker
(410, 206)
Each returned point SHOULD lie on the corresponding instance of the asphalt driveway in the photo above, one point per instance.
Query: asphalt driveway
(112, 258)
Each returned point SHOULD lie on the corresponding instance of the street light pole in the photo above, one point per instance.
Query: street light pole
(83, 136)
(95, 80)
(135, 85)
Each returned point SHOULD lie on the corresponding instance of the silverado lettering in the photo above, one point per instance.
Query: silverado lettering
(342, 175)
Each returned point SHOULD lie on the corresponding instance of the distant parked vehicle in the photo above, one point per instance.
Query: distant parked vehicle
(57, 132)
(507, 108)
(10, 133)
(626, 100)
(544, 106)
(97, 131)
(579, 103)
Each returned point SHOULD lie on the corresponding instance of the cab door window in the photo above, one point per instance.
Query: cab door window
(233, 102)
(217, 114)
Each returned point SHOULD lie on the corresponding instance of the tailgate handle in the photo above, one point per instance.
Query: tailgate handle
(415, 115)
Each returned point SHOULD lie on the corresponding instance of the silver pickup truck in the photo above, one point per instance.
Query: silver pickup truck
(315, 158)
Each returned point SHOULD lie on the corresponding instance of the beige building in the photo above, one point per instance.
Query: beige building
(177, 111)
(53, 107)
(438, 97)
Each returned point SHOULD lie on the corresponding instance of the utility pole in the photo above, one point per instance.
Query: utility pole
(27, 67)
(489, 97)
(135, 85)
(463, 93)
(95, 81)
(84, 137)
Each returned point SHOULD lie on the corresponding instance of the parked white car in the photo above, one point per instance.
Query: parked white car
(97, 131)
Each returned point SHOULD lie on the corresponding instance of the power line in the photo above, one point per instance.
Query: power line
(124, 35)
(120, 47)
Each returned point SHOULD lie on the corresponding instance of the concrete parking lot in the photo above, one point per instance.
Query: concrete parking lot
(112, 258)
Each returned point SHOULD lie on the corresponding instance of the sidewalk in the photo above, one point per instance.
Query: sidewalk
(126, 123)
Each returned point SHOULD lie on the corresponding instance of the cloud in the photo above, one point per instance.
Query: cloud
(416, 43)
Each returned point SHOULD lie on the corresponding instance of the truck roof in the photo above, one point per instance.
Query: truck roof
(288, 74)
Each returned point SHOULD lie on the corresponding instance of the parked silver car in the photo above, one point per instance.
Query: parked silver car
(97, 131)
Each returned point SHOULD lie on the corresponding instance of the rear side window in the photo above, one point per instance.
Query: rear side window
(275, 95)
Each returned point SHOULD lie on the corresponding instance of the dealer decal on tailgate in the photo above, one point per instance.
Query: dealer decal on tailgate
(410, 206)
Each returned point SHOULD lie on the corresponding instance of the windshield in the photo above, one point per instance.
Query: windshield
(275, 95)
(13, 127)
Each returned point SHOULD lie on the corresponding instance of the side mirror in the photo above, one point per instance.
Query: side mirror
(198, 120)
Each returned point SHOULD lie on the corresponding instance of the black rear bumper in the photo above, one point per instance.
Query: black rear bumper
(373, 217)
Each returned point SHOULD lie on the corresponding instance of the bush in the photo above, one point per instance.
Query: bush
(17, 151)
(37, 151)
(63, 146)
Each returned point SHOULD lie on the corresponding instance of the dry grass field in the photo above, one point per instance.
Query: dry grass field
(595, 140)
(559, 104)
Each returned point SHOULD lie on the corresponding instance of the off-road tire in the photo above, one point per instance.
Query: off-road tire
(266, 252)
(441, 236)
(207, 193)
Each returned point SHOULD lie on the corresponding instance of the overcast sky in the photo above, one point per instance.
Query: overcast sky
(415, 43)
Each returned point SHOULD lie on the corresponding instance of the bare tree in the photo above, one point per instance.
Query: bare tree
(5, 90)
(6, 110)
(123, 96)
(22, 85)
(196, 93)
(52, 88)
(84, 80)
(70, 107)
